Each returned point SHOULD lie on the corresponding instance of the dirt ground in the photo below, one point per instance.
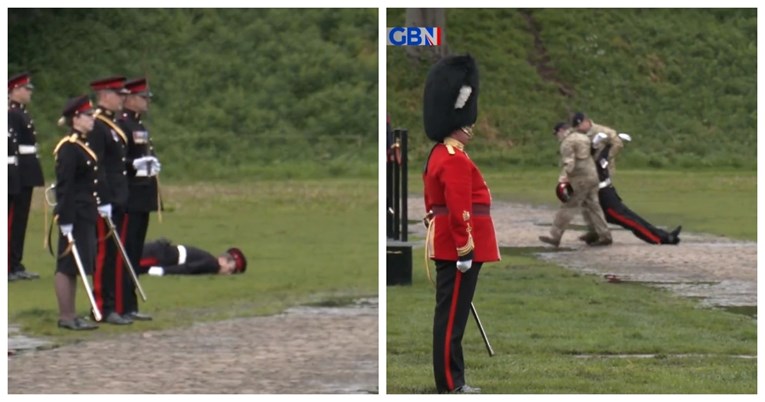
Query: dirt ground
(304, 350)
(335, 350)
(717, 270)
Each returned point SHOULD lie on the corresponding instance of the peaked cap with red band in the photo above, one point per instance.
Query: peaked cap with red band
(76, 106)
(138, 86)
(112, 83)
(20, 80)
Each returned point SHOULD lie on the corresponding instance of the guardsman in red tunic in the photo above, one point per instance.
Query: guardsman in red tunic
(77, 198)
(21, 131)
(458, 202)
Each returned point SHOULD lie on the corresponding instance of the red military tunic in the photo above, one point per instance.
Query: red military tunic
(459, 198)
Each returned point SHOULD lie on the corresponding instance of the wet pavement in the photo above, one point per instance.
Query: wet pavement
(303, 350)
(718, 271)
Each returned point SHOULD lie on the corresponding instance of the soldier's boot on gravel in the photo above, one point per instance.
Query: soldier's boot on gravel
(601, 242)
(589, 237)
(550, 240)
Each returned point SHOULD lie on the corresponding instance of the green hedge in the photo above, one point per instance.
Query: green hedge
(683, 83)
(255, 92)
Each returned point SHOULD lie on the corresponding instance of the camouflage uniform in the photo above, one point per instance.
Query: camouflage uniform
(579, 170)
(612, 139)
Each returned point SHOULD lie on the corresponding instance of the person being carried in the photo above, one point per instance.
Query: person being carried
(601, 136)
(162, 257)
(617, 213)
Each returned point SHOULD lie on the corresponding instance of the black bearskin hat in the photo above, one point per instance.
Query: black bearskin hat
(450, 100)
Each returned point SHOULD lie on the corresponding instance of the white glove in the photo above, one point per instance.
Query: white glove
(625, 137)
(156, 271)
(66, 229)
(105, 211)
(146, 166)
(155, 167)
(141, 163)
(463, 266)
(598, 138)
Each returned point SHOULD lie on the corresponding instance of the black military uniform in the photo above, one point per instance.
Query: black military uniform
(14, 181)
(14, 187)
(109, 143)
(77, 198)
(143, 194)
(177, 259)
(618, 213)
(185, 260)
(30, 175)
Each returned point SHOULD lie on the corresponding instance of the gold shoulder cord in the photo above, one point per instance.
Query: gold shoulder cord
(113, 126)
(428, 237)
(48, 243)
(47, 228)
(159, 199)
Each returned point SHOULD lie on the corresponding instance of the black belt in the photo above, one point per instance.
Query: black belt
(478, 210)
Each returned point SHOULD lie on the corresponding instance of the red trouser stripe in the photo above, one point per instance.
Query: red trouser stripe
(634, 225)
(118, 305)
(98, 290)
(10, 227)
(449, 328)
(148, 262)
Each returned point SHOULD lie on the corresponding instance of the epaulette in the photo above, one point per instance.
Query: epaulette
(68, 138)
(75, 140)
(111, 124)
(451, 144)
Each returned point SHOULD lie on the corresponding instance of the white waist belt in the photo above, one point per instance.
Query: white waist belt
(181, 255)
(12, 160)
(605, 183)
(144, 173)
(27, 149)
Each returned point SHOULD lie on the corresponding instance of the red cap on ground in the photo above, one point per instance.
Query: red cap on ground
(241, 262)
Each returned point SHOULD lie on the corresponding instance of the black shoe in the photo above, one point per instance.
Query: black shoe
(27, 275)
(466, 389)
(601, 242)
(136, 316)
(116, 319)
(674, 235)
(589, 237)
(77, 324)
(550, 240)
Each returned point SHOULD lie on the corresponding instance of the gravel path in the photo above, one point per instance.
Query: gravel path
(719, 271)
(304, 350)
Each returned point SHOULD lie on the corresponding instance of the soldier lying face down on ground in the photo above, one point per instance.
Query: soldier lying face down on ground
(162, 257)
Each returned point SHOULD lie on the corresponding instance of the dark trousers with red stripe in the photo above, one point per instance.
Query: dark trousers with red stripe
(136, 226)
(18, 216)
(108, 274)
(454, 293)
(618, 213)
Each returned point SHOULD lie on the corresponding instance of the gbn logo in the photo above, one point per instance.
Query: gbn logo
(414, 36)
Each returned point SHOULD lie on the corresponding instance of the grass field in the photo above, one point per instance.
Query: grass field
(546, 322)
(722, 203)
(307, 242)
